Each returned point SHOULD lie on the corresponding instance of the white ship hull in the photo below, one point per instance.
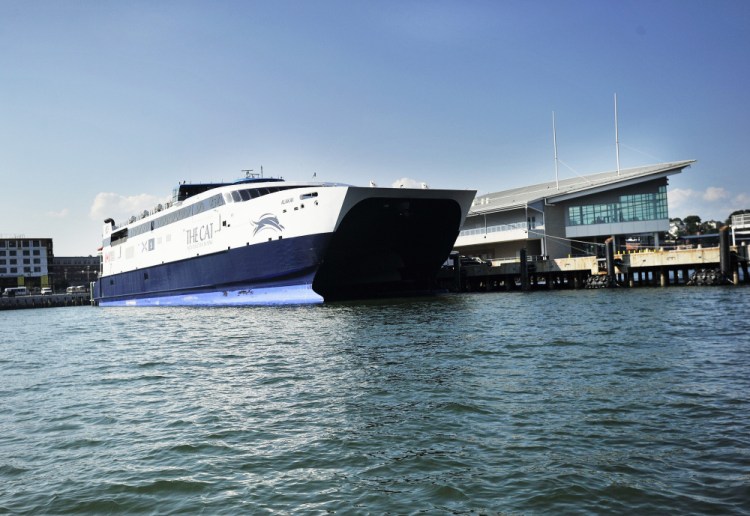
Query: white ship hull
(243, 243)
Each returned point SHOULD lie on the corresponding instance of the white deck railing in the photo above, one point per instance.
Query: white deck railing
(741, 221)
(494, 229)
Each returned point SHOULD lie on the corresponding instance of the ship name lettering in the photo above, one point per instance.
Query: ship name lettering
(200, 233)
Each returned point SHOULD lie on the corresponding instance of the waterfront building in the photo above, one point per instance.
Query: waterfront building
(25, 261)
(571, 217)
(741, 229)
(30, 262)
(73, 271)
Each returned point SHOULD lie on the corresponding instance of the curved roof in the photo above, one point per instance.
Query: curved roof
(573, 187)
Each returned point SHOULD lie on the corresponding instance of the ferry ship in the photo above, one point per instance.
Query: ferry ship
(261, 241)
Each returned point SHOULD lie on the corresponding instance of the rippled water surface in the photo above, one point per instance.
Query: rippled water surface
(627, 401)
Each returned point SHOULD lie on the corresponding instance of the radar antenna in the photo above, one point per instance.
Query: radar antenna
(249, 174)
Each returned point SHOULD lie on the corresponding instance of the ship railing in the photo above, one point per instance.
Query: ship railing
(146, 213)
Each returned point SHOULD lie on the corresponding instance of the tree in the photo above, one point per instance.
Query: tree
(692, 224)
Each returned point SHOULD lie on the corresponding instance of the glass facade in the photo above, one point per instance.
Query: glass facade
(629, 208)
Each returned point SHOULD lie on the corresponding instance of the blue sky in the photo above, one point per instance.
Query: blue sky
(106, 105)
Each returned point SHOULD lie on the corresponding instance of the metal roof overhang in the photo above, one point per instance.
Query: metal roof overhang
(588, 188)
(612, 186)
(497, 210)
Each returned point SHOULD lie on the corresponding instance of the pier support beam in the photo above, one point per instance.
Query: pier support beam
(524, 271)
(609, 257)
(725, 257)
(457, 273)
(609, 250)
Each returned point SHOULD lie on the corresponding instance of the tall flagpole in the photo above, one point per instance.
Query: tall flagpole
(554, 141)
(617, 138)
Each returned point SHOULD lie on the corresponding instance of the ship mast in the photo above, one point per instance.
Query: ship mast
(617, 138)
(554, 141)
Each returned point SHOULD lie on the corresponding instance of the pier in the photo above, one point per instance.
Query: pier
(45, 301)
(641, 268)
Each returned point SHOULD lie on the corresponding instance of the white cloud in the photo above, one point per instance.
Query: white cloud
(59, 214)
(713, 203)
(406, 182)
(679, 198)
(120, 207)
(714, 193)
(742, 199)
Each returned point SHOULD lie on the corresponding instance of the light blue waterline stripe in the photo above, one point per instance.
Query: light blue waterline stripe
(289, 295)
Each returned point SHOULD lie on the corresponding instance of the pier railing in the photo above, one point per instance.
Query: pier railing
(515, 259)
(494, 229)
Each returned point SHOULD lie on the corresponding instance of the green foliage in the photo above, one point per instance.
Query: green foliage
(692, 224)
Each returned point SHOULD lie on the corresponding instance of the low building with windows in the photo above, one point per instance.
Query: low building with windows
(571, 217)
(741, 230)
(24, 262)
(74, 271)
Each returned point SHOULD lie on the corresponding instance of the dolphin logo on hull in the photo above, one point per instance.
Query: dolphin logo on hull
(266, 221)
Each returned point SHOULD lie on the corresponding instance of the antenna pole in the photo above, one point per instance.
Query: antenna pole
(617, 138)
(554, 141)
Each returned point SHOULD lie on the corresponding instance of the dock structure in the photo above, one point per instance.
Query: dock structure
(510, 275)
(664, 268)
(45, 301)
(571, 217)
(640, 268)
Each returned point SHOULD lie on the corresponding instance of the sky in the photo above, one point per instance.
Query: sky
(106, 105)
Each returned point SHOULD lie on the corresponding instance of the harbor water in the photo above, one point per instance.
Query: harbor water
(598, 401)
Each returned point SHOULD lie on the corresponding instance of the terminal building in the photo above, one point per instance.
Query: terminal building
(31, 263)
(25, 261)
(571, 217)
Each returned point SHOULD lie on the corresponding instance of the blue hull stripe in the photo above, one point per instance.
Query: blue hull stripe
(263, 273)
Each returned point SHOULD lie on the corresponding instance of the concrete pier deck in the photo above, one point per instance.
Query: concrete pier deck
(632, 269)
(46, 301)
